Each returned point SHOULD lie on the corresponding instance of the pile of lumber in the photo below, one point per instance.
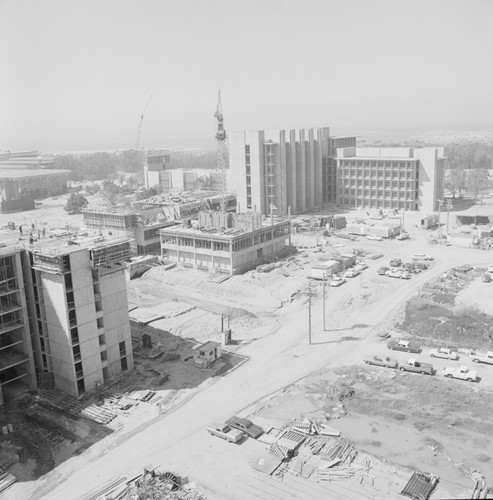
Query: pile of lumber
(98, 414)
(6, 479)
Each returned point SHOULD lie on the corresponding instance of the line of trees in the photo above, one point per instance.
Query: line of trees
(468, 165)
(107, 165)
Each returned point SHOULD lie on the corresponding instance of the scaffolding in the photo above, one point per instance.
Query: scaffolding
(111, 252)
(113, 218)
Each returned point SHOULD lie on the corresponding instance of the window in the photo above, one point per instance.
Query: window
(123, 350)
(124, 364)
(102, 339)
(104, 356)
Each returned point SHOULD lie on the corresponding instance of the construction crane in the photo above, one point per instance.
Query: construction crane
(141, 119)
(221, 147)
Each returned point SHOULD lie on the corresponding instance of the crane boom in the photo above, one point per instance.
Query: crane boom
(141, 119)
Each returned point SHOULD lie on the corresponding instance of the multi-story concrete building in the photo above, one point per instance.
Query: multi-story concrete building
(16, 354)
(142, 226)
(79, 297)
(280, 169)
(229, 243)
(391, 178)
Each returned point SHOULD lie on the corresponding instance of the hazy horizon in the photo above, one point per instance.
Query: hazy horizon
(78, 74)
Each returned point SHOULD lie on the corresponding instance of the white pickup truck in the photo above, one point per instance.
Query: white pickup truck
(462, 373)
(478, 357)
(225, 432)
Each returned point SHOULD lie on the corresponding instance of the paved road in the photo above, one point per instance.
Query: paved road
(277, 360)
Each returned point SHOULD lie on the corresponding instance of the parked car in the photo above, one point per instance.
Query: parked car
(381, 361)
(486, 278)
(443, 352)
(421, 265)
(411, 267)
(462, 373)
(362, 265)
(337, 281)
(398, 273)
(351, 273)
(394, 216)
(464, 268)
(225, 432)
(395, 263)
(374, 237)
(382, 270)
(403, 345)
(416, 366)
(402, 236)
(478, 357)
(422, 256)
(246, 426)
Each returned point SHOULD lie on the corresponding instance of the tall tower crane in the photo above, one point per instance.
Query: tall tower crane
(221, 147)
(141, 119)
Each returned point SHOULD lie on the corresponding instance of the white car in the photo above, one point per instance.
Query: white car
(337, 281)
(362, 265)
(374, 238)
(352, 273)
(397, 273)
(443, 352)
(422, 256)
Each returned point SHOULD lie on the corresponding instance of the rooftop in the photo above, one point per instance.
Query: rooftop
(67, 244)
(23, 174)
(208, 345)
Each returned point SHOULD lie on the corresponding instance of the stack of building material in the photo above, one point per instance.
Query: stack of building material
(6, 479)
(336, 449)
(144, 395)
(420, 486)
(98, 414)
(291, 439)
(280, 452)
(54, 399)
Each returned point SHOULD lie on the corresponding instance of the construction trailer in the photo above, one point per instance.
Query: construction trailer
(206, 354)
(430, 221)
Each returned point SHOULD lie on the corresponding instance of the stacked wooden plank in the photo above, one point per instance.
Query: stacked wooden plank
(98, 414)
(6, 479)
(336, 449)
(52, 398)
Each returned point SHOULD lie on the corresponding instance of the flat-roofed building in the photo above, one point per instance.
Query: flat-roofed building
(79, 297)
(401, 178)
(284, 169)
(248, 241)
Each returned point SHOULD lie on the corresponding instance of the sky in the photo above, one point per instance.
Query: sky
(76, 75)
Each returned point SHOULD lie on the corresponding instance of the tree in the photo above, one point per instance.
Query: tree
(456, 180)
(477, 182)
(75, 203)
(146, 194)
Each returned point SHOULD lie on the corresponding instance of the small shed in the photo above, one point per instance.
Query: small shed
(204, 355)
(430, 221)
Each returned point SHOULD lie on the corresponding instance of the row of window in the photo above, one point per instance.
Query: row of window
(378, 174)
(408, 195)
(379, 163)
(375, 184)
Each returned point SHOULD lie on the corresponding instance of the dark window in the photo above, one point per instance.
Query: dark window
(124, 364)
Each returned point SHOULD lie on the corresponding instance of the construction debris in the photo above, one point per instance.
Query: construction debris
(420, 486)
(6, 479)
(98, 414)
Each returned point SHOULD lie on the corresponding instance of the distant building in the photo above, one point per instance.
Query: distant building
(281, 169)
(156, 170)
(390, 178)
(27, 176)
(226, 243)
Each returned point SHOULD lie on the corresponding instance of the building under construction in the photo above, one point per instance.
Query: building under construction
(142, 226)
(227, 243)
(64, 313)
(16, 354)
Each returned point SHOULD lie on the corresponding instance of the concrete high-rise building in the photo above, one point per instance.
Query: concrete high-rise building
(392, 178)
(277, 169)
(80, 299)
(284, 168)
(16, 354)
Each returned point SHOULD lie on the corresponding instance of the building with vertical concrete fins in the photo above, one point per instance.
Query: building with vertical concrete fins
(401, 178)
(277, 169)
(64, 313)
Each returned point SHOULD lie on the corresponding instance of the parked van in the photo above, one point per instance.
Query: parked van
(490, 268)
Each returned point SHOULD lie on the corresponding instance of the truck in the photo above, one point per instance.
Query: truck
(462, 373)
(225, 432)
(403, 345)
(478, 357)
(418, 367)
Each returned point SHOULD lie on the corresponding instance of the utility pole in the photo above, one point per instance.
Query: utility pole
(439, 213)
(323, 299)
(310, 295)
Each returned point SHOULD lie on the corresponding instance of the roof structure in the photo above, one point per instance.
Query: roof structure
(24, 174)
